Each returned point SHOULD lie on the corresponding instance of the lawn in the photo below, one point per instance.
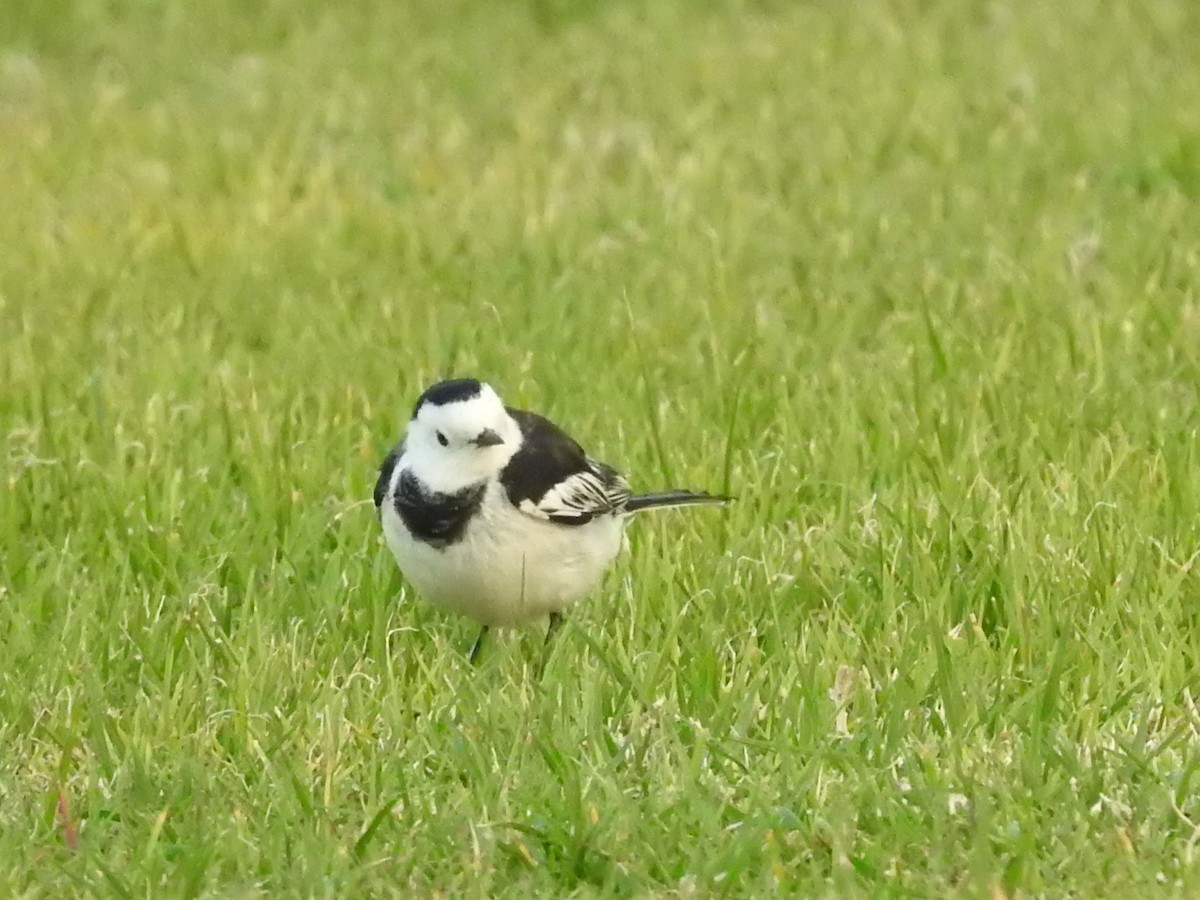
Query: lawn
(919, 282)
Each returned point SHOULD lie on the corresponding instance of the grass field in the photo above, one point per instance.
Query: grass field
(918, 281)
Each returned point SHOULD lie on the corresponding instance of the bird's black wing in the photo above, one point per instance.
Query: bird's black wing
(551, 477)
(385, 473)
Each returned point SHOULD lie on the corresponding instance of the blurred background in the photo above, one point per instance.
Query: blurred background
(917, 280)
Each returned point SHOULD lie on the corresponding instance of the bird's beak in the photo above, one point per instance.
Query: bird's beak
(487, 438)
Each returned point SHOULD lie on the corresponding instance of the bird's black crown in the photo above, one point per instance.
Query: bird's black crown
(452, 391)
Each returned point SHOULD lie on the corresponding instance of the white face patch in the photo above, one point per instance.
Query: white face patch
(442, 444)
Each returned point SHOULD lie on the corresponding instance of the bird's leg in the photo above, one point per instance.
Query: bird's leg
(556, 622)
(478, 645)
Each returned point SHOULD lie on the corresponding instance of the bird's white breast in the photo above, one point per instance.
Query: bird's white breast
(509, 568)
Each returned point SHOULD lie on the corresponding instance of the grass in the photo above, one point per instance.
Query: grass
(919, 282)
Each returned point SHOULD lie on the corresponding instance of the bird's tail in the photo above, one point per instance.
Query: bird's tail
(662, 499)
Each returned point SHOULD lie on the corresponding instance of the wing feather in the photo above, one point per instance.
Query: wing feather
(551, 478)
(580, 497)
(386, 468)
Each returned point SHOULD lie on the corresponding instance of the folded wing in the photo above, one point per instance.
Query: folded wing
(551, 478)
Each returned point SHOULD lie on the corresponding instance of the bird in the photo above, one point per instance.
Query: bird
(499, 515)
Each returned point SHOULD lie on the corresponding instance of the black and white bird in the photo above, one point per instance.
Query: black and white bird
(497, 514)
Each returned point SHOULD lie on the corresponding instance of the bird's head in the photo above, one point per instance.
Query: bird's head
(460, 434)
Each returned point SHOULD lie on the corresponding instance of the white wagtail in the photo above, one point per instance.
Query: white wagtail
(497, 514)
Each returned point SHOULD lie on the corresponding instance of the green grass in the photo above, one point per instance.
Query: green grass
(919, 282)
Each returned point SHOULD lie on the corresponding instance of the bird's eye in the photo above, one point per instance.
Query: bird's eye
(443, 440)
